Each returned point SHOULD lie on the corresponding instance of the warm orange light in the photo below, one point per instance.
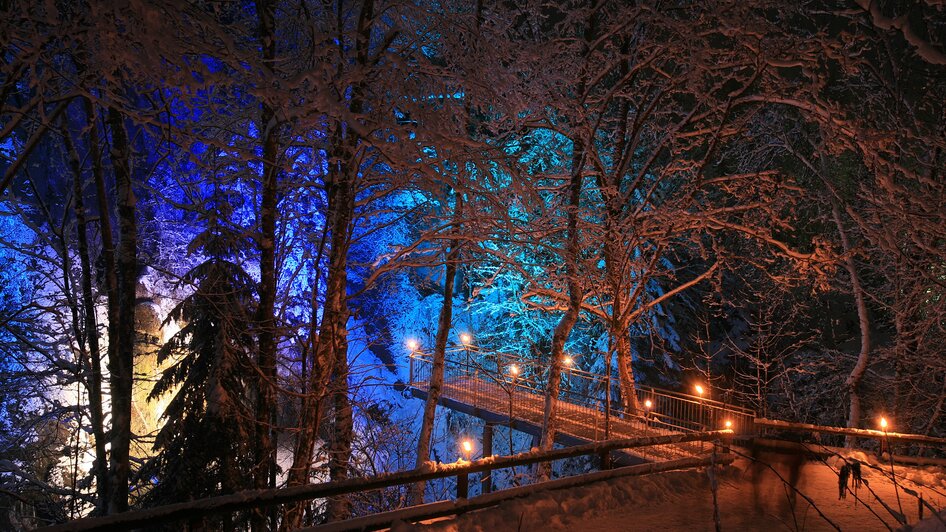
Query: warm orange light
(412, 345)
(466, 338)
(514, 370)
(883, 423)
(467, 446)
(648, 403)
(568, 360)
(728, 424)
(699, 389)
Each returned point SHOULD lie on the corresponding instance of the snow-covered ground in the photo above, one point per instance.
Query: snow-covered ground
(683, 501)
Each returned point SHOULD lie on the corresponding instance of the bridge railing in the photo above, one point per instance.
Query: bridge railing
(582, 391)
(461, 470)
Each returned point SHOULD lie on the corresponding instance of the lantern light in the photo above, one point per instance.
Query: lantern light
(412, 344)
(648, 403)
(883, 424)
(465, 338)
(568, 360)
(514, 370)
(699, 390)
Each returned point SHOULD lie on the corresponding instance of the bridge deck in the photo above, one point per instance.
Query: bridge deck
(575, 423)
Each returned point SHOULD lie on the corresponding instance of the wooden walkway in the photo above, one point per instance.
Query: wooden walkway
(523, 408)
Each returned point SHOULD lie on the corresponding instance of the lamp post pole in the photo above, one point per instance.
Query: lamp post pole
(893, 476)
(699, 392)
(514, 373)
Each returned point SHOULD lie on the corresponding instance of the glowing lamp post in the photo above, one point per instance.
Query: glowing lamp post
(412, 345)
(648, 405)
(699, 392)
(463, 479)
(728, 424)
(893, 476)
(514, 374)
(466, 340)
(568, 362)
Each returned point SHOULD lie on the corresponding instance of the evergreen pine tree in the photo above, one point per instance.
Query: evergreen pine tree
(205, 446)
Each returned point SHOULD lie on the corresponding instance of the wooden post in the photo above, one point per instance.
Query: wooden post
(463, 485)
(486, 479)
(726, 442)
(605, 457)
(919, 503)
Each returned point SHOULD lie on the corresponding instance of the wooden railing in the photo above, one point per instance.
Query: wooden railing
(252, 499)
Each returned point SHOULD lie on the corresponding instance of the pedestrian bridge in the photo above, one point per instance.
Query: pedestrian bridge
(505, 390)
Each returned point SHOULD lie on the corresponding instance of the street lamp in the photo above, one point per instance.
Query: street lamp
(412, 345)
(463, 479)
(466, 340)
(568, 362)
(893, 476)
(648, 404)
(514, 372)
(699, 392)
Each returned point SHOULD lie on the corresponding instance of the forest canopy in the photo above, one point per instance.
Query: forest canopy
(224, 226)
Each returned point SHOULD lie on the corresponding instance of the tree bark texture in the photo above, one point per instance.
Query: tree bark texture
(121, 361)
(94, 378)
(266, 320)
(444, 323)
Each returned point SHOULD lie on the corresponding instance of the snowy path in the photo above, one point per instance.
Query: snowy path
(683, 501)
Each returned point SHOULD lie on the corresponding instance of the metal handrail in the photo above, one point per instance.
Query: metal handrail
(675, 411)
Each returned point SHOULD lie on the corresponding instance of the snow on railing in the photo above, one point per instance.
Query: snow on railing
(660, 409)
(252, 499)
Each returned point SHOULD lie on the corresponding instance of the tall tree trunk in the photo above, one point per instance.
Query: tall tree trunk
(340, 459)
(339, 508)
(435, 387)
(94, 379)
(265, 458)
(332, 344)
(564, 327)
(625, 371)
(121, 363)
(853, 381)
(573, 246)
(618, 326)
(331, 360)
